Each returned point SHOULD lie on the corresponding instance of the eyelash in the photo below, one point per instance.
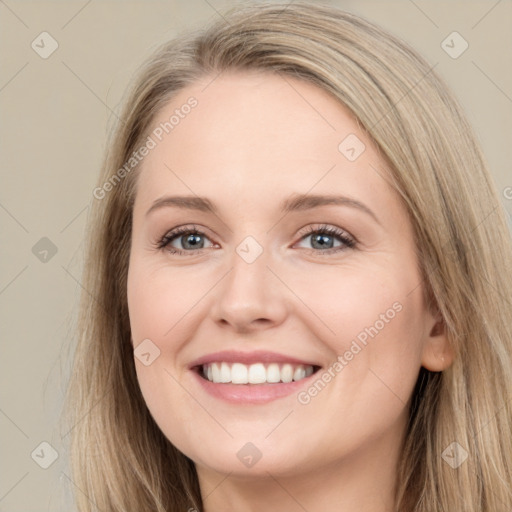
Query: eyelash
(348, 242)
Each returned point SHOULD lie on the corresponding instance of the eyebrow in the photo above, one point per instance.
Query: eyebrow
(297, 202)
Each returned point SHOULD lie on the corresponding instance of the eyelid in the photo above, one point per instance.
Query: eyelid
(173, 234)
(347, 239)
(321, 227)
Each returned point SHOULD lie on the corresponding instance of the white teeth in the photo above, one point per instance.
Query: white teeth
(216, 372)
(299, 373)
(273, 373)
(239, 374)
(287, 373)
(225, 372)
(258, 373)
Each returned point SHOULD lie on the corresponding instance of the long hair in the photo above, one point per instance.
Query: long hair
(120, 459)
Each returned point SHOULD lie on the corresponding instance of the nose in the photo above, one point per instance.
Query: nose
(250, 297)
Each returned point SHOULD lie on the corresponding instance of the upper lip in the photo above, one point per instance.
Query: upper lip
(256, 356)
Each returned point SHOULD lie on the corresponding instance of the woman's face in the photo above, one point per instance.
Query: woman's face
(277, 281)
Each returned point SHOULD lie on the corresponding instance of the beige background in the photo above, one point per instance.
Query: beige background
(55, 113)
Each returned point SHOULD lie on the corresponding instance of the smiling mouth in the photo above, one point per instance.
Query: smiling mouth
(257, 373)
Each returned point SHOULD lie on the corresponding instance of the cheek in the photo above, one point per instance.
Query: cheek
(376, 359)
(359, 302)
(158, 312)
(163, 306)
(158, 300)
(375, 329)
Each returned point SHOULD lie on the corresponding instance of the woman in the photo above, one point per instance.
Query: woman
(229, 358)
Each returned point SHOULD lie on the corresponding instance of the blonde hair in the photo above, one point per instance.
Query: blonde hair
(120, 459)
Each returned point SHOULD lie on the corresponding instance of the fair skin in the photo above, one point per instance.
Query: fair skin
(252, 141)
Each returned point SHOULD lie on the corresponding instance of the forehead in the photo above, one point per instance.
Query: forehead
(253, 137)
(253, 111)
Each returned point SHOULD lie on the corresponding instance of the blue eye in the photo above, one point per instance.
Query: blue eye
(188, 237)
(322, 239)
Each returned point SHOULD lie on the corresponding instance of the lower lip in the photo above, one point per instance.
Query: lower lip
(251, 393)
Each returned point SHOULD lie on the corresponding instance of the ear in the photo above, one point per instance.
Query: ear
(438, 354)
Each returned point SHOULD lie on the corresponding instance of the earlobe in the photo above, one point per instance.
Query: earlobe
(438, 353)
